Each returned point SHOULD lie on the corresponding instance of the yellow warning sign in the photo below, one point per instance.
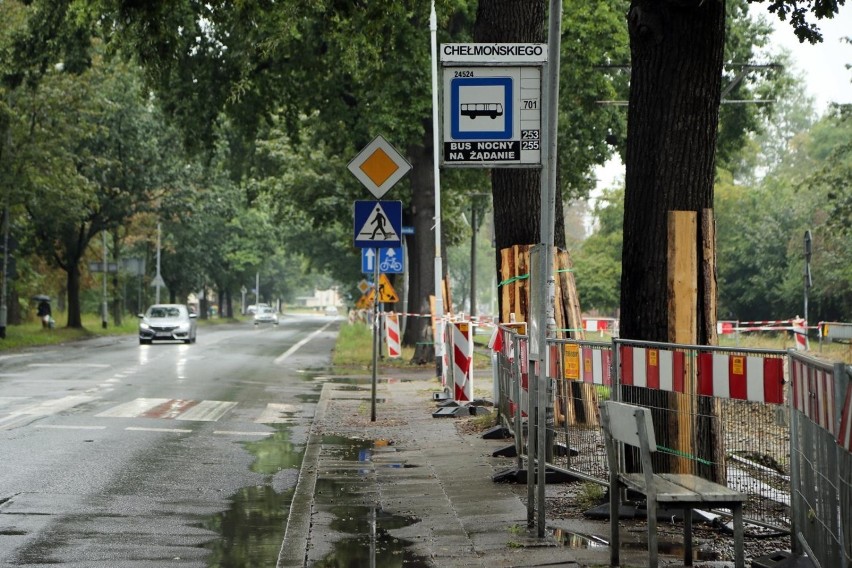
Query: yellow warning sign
(386, 291)
(364, 302)
(572, 362)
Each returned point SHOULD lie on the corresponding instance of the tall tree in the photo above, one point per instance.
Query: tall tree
(676, 56)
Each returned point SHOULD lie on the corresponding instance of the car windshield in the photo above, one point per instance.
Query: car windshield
(162, 312)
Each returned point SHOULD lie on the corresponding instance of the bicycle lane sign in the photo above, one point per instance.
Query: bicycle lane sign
(390, 260)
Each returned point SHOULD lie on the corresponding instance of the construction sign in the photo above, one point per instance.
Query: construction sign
(386, 291)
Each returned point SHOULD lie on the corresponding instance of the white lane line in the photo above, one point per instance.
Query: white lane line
(207, 411)
(141, 429)
(236, 433)
(132, 408)
(49, 407)
(281, 358)
(80, 365)
(275, 413)
(69, 427)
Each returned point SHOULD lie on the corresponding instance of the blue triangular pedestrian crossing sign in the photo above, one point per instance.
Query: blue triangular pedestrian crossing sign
(378, 224)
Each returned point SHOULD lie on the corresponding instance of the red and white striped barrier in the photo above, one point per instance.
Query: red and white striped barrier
(726, 327)
(524, 364)
(587, 364)
(844, 433)
(462, 362)
(800, 330)
(741, 377)
(653, 368)
(392, 336)
(813, 394)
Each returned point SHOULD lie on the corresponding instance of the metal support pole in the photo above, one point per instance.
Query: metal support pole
(4, 276)
(159, 278)
(105, 307)
(550, 121)
(438, 340)
(375, 337)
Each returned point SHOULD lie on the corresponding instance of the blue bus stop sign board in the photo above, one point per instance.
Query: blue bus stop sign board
(378, 224)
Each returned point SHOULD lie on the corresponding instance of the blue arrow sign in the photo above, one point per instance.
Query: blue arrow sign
(378, 224)
(390, 260)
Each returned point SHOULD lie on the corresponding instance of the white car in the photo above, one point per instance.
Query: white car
(167, 322)
(265, 315)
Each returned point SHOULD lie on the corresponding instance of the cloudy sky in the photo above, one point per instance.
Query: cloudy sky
(823, 66)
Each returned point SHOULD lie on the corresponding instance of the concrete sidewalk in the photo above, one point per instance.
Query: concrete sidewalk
(413, 490)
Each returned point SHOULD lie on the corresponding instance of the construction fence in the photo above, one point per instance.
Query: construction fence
(730, 415)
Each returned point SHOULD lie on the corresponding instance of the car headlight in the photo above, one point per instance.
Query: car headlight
(143, 325)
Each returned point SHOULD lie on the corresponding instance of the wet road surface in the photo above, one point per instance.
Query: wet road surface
(120, 454)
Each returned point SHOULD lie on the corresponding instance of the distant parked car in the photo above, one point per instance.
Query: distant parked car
(167, 322)
(265, 315)
(331, 310)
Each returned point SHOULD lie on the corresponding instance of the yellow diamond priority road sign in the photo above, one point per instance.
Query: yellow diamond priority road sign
(379, 166)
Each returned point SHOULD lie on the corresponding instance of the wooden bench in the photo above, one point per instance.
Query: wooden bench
(631, 425)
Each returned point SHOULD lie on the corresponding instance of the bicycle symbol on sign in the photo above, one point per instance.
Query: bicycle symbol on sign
(390, 264)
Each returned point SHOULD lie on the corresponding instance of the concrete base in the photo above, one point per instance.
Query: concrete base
(516, 475)
(451, 412)
(497, 433)
(506, 452)
(443, 395)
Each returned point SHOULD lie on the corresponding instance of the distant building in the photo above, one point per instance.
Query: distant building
(320, 299)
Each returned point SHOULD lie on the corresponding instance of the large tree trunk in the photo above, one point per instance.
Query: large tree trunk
(421, 249)
(676, 55)
(74, 319)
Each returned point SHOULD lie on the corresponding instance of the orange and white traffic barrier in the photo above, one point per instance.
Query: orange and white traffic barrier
(392, 338)
(462, 362)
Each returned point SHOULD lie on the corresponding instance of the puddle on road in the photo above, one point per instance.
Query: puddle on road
(370, 543)
(584, 541)
(252, 529)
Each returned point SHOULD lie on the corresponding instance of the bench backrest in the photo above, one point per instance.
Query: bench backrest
(625, 421)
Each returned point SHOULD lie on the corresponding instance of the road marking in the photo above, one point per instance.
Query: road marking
(142, 429)
(236, 433)
(81, 365)
(69, 427)
(281, 358)
(208, 411)
(49, 407)
(133, 408)
(170, 409)
(274, 413)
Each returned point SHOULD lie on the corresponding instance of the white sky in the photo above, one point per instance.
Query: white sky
(823, 67)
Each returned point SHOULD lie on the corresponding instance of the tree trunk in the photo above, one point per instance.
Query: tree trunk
(676, 54)
(421, 250)
(73, 279)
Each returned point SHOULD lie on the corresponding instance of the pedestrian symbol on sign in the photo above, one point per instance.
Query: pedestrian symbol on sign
(377, 227)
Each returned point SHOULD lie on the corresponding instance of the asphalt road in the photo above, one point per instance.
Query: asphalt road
(117, 454)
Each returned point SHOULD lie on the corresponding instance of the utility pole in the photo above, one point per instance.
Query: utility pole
(439, 269)
(105, 306)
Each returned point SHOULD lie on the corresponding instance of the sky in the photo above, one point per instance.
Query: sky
(823, 67)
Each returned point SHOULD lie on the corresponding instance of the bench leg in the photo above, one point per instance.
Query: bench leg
(651, 505)
(614, 506)
(687, 536)
(739, 540)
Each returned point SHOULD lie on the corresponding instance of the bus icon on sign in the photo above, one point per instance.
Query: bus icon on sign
(488, 97)
(482, 109)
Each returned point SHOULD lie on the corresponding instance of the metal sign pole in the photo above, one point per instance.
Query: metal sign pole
(550, 122)
(438, 340)
(376, 331)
